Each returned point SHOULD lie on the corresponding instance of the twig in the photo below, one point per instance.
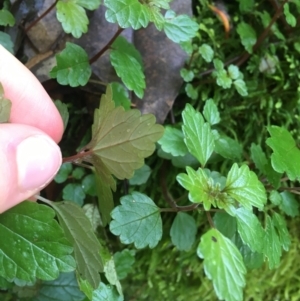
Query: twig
(210, 219)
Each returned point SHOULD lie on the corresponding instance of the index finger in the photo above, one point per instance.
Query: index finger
(31, 104)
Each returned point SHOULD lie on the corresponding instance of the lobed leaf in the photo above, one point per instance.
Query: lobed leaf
(211, 112)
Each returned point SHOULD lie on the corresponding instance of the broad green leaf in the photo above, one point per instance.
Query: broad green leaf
(73, 192)
(187, 75)
(121, 96)
(250, 229)
(34, 246)
(211, 112)
(89, 185)
(79, 232)
(137, 220)
(233, 72)
(85, 287)
(72, 67)
(78, 173)
(252, 260)
(5, 106)
(92, 213)
(289, 204)
(127, 13)
(272, 245)
(127, 67)
(244, 186)
(247, 35)
(179, 28)
(283, 233)
(6, 18)
(228, 148)
(241, 87)
(173, 142)
(183, 231)
(273, 176)
(286, 155)
(161, 3)
(73, 17)
(191, 91)
(64, 288)
(225, 223)
(156, 17)
(290, 18)
(223, 264)
(6, 42)
(141, 175)
(275, 198)
(123, 262)
(259, 158)
(63, 173)
(63, 110)
(198, 135)
(120, 140)
(247, 5)
(106, 292)
(206, 52)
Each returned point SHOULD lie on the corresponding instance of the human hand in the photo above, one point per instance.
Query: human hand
(29, 155)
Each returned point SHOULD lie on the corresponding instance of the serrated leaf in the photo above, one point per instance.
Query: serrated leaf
(250, 229)
(127, 13)
(272, 246)
(223, 264)
(64, 288)
(6, 42)
(225, 223)
(120, 140)
(183, 231)
(173, 142)
(73, 66)
(273, 176)
(79, 232)
(286, 155)
(63, 111)
(206, 52)
(73, 192)
(63, 173)
(121, 96)
(156, 17)
(241, 87)
(244, 186)
(259, 158)
(6, 18)
(141, 175)
(179, 28)
(127, 67)
(198, 135)
(34, 246)
(247, 35)
(289, 204)
(211, 112)
(106, 293)
(283, 233)
(137, 220)
(123, 262)
(228, 148)
(290, 19)
(92, 213)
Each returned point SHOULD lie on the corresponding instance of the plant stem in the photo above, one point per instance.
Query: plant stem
(40, 17)
(77, 156)
(106, 47)
(210, 219)
(40, 198)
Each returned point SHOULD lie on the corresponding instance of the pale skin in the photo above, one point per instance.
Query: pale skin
(29, 155)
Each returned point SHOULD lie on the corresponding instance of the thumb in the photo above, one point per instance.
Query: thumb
(29, 159)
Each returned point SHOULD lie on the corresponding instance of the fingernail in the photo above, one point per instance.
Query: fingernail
(38, 160)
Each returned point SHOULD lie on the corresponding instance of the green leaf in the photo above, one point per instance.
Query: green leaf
(127, 13)
(228, 148)
(6, 42)
(120, 140)
(259, 158)
(6, 18)
(272, 246)
(290, 19)
(78, 173)
(64, 288)
(73, 66)
(206, 52)
(275, 197)
(89, 185)
(73, 16)
(283, 233)
(223, 264)
(121, 96)
(289, 204)
(250, 229)
(183, 231)
(137, 220)
(156, 17)
(5, 106)
(198, 135)
(179, 28)
(244, 186)
(211, 112)
(173, 142)
(225, 223)
(63, 111)
(79, 232)
(141, 175)
(273, 176)
(73, 192)
(286, 155)
(233, 72)
(252, 260)
(191, 91)
(92, 213)
(34, 246)
(241, 87)
(127, 67)
(187, 75)
(247, 35)
(63, 173)
(106, 293)
(123, 262)
(246, 5)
